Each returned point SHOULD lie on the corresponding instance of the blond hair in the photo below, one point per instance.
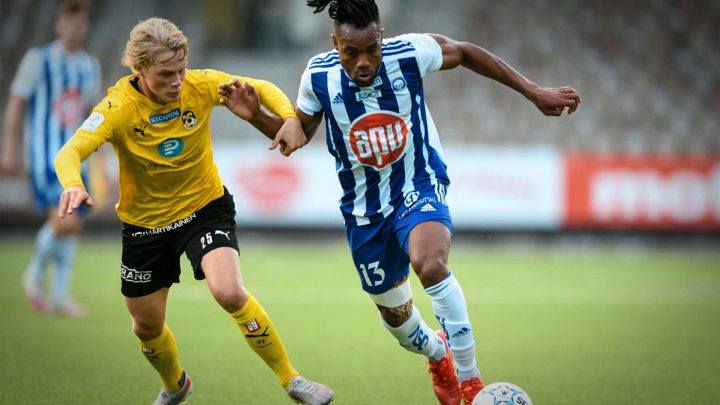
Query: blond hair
(149, 38)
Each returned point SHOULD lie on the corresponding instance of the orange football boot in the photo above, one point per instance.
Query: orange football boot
(470, 389)
(444, 378)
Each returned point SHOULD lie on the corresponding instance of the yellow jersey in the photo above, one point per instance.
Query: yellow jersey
(164, 151)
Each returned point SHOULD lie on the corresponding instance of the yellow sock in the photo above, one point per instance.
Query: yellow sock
(162, 353)
(262, 337)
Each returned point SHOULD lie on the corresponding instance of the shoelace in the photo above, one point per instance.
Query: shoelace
(442, 375)
(304, 388)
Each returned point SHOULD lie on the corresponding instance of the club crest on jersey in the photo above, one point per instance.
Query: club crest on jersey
(189, 120)
(398, 83)
(379, 138)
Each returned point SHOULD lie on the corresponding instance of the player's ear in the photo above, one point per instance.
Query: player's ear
(334, 39)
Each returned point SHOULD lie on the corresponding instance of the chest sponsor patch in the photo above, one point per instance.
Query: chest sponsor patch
(165, 117)
(170, 147)
(366, 94)
(379, 138)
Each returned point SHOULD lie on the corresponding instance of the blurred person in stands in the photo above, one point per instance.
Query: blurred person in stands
(391, 167)
(173, 201)
(54, 88)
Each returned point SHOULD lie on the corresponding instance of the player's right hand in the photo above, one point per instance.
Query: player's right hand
(70, 200)
(8, 165)
(290, 137)
(240, 98)
(552, 101)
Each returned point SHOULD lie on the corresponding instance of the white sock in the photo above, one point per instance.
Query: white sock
(64, 255)
(450, 309)
(35, 273)
(415, 336)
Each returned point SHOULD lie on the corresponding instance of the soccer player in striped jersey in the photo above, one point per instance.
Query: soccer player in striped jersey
(173, 201)
(55, 86)
(391, 167)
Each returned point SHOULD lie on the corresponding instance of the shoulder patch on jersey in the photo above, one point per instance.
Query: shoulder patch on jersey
(93, 122)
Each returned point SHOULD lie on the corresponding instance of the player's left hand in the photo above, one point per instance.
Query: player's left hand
(70, 200)
(240, 98)
(553, 100)
(290, 137)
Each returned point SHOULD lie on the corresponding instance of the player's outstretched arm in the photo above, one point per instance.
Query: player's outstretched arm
(12, 133)
(549, 100)
(310, 123)
(290, 137)
(67, 167)
(243, 101)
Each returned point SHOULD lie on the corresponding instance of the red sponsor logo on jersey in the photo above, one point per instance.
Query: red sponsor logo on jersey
(68, 109)
(378, 139)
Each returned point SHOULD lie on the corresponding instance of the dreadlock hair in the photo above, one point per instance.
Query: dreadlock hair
(358, 13)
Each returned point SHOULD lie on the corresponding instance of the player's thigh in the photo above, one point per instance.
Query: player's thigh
(379, 260)
(148, 313)
(429, 241)
(424, 229)
(67, 226)
(221, 267)
(213, 229)
(149, 261)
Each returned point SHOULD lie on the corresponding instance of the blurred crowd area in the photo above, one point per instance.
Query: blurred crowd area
(648, 70)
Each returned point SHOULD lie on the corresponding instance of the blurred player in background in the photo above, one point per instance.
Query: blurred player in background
(55, 87)
(390, 164)
(172, 200)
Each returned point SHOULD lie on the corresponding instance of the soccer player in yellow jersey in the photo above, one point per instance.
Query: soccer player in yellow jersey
(172, 199)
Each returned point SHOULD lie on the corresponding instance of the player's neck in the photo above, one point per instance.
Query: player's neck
(69, 47)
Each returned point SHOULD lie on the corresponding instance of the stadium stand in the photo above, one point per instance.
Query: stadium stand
(648, 70)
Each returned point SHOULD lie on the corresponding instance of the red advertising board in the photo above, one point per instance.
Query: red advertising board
(647, 192)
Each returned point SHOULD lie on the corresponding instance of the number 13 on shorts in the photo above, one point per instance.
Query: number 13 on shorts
(372, 274)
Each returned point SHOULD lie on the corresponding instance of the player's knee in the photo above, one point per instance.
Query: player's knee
(431, 267)
(68, 226)
(395, 305)
(231, 299)
(147, 329)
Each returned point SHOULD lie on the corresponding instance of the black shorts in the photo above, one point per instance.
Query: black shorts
(151, 257)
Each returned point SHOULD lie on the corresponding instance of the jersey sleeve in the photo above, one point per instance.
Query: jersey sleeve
(428, 51)
(28, 74)
(307, 101)
(98, 128)
(213, 79)
(270, 95)
(273, 98)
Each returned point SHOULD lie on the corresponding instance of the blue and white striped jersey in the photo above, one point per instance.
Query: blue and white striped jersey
(60, 89)
(383, 139)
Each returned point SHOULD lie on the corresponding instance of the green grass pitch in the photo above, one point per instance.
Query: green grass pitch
(570, 327)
